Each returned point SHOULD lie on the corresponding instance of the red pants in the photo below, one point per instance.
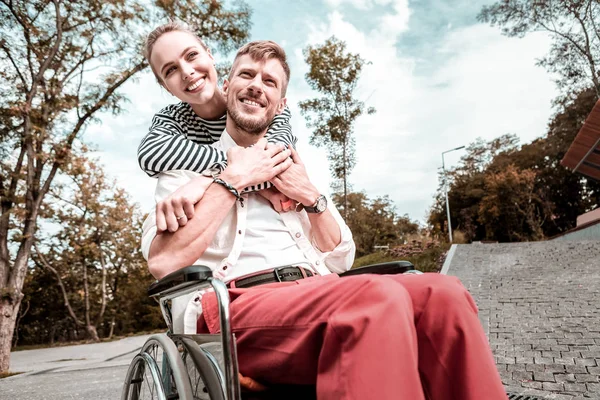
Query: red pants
(406, 337)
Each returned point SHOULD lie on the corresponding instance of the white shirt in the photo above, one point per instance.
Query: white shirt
(254, 237)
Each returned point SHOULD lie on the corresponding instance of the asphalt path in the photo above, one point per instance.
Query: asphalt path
(89, 371)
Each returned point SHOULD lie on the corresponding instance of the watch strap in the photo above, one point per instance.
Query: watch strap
(313, 208)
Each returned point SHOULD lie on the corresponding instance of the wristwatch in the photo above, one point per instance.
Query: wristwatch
(319, 206)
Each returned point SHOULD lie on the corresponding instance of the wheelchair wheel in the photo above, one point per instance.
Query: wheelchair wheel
(157, 372)
(203, 369)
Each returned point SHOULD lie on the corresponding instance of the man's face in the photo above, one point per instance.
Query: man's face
(254, 93)
(185, 68)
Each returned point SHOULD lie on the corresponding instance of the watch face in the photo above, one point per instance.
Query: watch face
(321, 204)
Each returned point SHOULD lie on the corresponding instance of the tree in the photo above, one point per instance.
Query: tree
(512, 210)
(557, 197)
(46, 320)
(466, 187)
(374, 222)
(574, 25)
(62, 62)
(96, 240)
(334, 73)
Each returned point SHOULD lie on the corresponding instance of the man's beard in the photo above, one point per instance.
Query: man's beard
(252, 125)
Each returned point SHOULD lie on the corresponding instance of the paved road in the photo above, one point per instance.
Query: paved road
(98, 383)
(540, 305)
(89, 371)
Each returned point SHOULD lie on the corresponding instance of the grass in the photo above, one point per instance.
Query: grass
(427, 261)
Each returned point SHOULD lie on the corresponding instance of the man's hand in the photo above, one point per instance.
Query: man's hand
(178, 208)
(250, 384)
(253, 165)
(294, 182)
(279, 201)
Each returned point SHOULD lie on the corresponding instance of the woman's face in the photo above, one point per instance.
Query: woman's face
(186, 69)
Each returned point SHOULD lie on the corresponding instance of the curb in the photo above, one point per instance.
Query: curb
(448, 260)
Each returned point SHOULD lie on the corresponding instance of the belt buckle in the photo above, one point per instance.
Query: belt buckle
(276, 272)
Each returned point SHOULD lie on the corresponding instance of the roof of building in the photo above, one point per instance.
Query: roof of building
(584, 154)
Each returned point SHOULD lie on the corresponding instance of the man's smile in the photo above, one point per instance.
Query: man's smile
(253, 103)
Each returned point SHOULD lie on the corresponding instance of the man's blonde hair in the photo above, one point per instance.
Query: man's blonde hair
(260, 50)
(152, 38)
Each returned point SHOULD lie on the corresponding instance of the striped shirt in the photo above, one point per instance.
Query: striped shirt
(180, 140)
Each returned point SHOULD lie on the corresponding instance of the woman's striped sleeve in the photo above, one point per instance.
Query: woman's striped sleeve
(280, 130)
(166, 148)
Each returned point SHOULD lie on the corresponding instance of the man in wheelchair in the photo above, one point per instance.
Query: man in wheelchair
(295, 319)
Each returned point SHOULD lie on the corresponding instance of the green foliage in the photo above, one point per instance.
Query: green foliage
(504, 192)
(467, 187)
(91, 246)
(225, 29)
(43, 316)
(512, 209)
(573, 24)
(373, 258)
(427, 261)
(374, 222)
(334, 73)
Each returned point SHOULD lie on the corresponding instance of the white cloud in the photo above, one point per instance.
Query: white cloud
(360, 4)
(486, 86)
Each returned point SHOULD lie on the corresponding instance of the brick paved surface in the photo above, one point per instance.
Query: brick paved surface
(540, 306)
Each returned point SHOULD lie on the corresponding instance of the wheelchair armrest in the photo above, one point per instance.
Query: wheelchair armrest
(179, 280)
(388, 268)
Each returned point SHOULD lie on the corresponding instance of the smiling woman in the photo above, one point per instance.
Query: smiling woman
(184, 66)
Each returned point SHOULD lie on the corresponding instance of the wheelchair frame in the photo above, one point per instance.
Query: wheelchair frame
(176, 347)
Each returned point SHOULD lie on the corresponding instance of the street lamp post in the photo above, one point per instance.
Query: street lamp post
(446, 190)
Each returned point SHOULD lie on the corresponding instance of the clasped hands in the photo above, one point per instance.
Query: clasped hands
(245, 167)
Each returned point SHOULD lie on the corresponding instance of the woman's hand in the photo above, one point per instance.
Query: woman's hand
(254, 165)
(175, 211)
(294, 182)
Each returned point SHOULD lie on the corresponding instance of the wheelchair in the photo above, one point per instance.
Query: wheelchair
(173, 366)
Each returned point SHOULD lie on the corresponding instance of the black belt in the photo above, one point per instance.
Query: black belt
(282, 274)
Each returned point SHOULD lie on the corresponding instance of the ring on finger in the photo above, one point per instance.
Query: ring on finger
(178, 218)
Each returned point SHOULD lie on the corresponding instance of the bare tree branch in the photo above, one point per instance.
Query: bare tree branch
(12, 61)
(44, 264)
(48, 60)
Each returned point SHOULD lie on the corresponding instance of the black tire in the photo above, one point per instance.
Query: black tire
(206, 380)
(157, 373)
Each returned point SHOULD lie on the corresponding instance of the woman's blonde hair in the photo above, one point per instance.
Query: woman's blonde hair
(152, 38)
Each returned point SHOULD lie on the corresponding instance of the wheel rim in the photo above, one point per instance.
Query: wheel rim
(203, 369)
(143, 380)
(167, 378)
(199, 390)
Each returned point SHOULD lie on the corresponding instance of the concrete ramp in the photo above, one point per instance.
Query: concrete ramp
(539, 303)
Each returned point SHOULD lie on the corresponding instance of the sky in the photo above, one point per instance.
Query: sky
(437, 78)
